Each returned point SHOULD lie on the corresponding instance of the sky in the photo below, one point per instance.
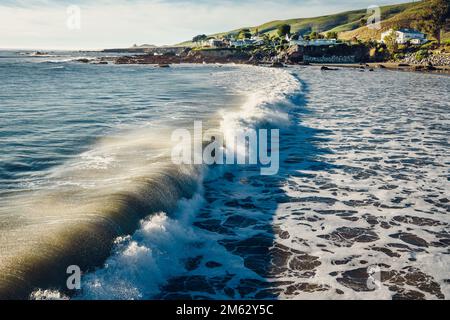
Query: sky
(92, 25)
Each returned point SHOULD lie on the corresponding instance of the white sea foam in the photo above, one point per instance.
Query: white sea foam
(143, 262)
(353, 177)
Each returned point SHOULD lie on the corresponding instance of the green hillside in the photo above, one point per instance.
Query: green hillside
(336, 22)
(348, 24)
(407, 18)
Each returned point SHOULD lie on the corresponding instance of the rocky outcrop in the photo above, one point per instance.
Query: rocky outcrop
(217, 56)
(188, 56)
(330, 59)
(341, 53)
(293, 55)
(439, 59)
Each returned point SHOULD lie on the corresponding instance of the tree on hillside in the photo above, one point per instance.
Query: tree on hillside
(391, 43)
(432, 19)
(315, 35)
(363, 22)
(199, 38)
(284, 30)
(244, 34)
(332, 35)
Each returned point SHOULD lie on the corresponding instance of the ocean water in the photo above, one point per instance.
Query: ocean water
(359, 208)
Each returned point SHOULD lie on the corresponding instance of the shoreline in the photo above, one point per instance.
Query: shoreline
(389, 66)
(241, 58)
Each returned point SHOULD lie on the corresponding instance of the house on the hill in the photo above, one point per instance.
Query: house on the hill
(403, 36)
(217, 43)
(316, 42)
(244, 42)
(296, 40)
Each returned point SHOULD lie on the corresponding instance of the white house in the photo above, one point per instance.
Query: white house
(322, 42)
(216, 43)
(257, 40)
(403, 36)
(316, 42)
(242, 43)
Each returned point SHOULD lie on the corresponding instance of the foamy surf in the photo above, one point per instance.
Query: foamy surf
(357, 211)
(163, 246)
(81, 210)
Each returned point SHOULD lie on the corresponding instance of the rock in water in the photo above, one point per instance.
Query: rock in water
(277, 65)
(325, 68)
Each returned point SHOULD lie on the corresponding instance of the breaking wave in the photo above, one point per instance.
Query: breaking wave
(124, 202)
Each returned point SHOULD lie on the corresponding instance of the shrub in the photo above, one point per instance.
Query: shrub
(429, 45)
(398, 56)
(283, 30)
(421, 54)
(332, 35)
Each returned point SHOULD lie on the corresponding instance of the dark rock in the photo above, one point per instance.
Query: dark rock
(410, 238)
(277, 65)
(325, 68)
(294, 54)
(83, 60)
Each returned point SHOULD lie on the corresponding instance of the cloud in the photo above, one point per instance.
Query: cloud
(107, 23)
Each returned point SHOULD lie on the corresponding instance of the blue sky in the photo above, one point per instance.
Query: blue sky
(43, 24)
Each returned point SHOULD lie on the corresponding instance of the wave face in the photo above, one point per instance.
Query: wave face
(88, 157)
(143, 262)
(358, 209)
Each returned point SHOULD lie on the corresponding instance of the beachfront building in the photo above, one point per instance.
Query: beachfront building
(257, 40)
(322, 42)
(316, 42)
(242, 43)
(403, 36)
(298, 41)
(216, 43)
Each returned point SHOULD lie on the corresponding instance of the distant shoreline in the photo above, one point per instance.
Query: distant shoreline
(166, 61)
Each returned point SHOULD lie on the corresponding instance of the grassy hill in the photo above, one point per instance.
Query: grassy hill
(403, 19)
(348, 24)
